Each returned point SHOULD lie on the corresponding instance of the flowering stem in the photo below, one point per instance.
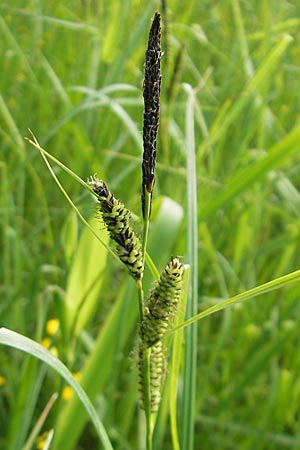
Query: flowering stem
(144, 247)
(147, 351)
(151, 94)
(146, 222)
(147, 393)
(141, 298)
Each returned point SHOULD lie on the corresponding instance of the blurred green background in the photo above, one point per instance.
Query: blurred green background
(72, 72)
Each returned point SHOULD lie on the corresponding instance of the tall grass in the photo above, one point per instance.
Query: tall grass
(72, 72)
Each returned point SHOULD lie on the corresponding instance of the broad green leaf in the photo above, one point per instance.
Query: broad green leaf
(86, 276)
(246, 177)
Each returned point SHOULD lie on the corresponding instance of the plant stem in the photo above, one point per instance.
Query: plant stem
(141, 298)
(146, 361)
(146, 352)
(146, 221)
(151, 266)
(144, 247)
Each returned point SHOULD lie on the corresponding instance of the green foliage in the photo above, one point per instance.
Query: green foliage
(72, 72)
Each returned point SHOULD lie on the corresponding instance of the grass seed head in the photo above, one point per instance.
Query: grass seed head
(162, 303)
(157, 375)
(158, 315)
(151, 93)
(116, 218)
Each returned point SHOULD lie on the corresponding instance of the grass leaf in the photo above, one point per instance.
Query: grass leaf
(16, 340)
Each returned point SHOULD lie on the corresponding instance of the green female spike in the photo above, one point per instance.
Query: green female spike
(116, 218)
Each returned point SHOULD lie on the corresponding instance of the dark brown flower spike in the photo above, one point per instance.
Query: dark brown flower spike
(151, 93)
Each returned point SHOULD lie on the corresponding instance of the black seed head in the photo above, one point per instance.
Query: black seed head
(151, 93)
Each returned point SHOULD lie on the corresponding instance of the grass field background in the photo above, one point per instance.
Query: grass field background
(72, 72)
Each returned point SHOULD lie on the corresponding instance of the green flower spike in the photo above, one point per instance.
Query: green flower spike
(159, 313)
(116, 218)
(162, 303)
(157, 375)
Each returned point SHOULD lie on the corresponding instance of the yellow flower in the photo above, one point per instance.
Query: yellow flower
(52, 326)
(67, 393)
(2, 381)
(46, 342)
(41, 440)
(77, 376)
(54, 351)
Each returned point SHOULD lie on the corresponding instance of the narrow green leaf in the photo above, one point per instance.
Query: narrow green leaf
(245, 178)
(26, 398)
(247, 295)
(177, 359)
(190, 356)
(16, 340)
(268, 66)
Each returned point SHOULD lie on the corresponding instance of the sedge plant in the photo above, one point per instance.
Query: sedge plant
(158, 307)
(158, 310)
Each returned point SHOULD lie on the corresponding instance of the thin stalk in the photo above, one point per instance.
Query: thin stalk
(140, 290)
(151, 266)
(40, 422)
(147, 393)
(4, 189)
(75, 208)
(146, 222)
(151, 94)
(146, 352)
(35, 144)
(144, 247)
